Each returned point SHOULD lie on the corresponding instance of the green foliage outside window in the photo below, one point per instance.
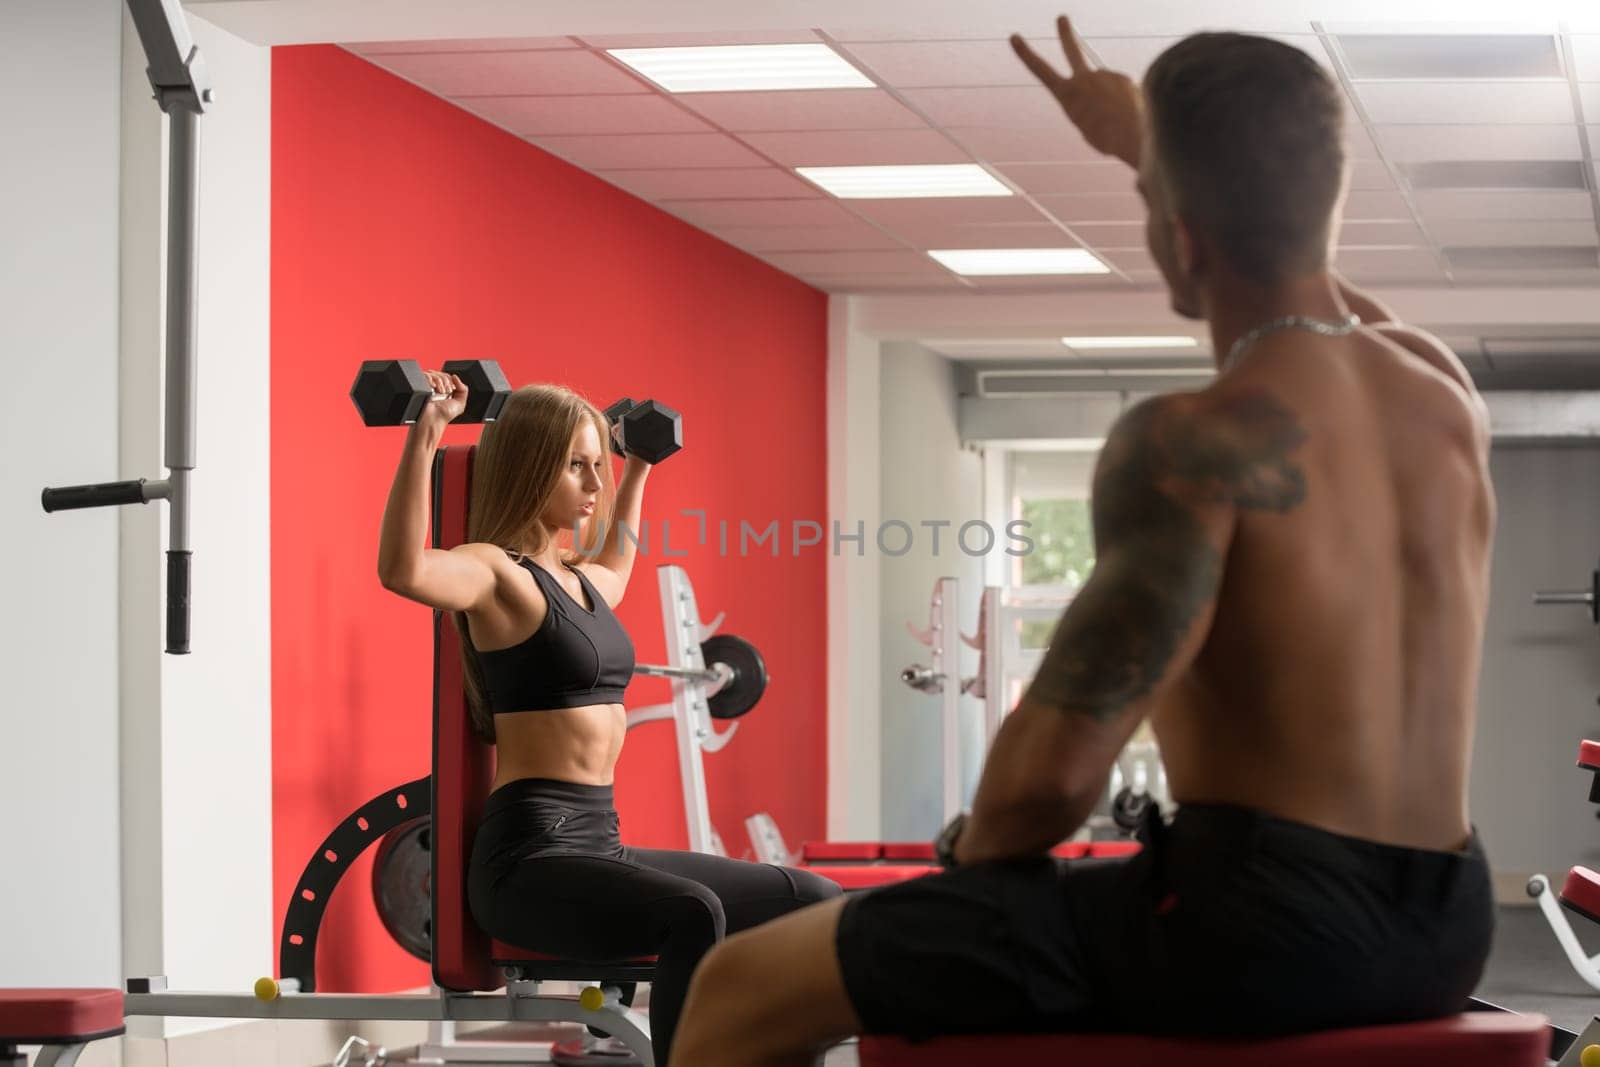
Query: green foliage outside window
(1063, 553)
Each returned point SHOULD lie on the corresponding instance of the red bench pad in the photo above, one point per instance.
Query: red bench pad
(840, 851)
(1478, 1039)
(870, 876)
(1589, 755)
(1582, 892)
(504, 953)
(57, 1016)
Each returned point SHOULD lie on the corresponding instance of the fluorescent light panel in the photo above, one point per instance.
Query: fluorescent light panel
(905, 182)
(1129, 342)
(992, 262)
(743, 68)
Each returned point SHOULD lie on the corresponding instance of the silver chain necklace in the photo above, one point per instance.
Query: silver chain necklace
(1325, 327)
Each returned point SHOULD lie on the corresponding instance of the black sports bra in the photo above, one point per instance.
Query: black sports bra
(576, 656)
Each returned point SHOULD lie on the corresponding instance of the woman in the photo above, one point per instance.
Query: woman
(546, 665)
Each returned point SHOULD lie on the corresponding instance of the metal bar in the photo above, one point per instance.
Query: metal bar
(402, 1007)
(693, 674)
(681, 619)
(946, 660)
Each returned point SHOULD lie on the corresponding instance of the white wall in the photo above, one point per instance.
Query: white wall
(1541, 667)
(197, 728)
(927, 477)
(854, 774)
(59, 99)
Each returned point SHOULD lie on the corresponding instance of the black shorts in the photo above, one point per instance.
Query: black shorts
(1228, 923)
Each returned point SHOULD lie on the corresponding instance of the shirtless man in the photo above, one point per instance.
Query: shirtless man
(1291, 580)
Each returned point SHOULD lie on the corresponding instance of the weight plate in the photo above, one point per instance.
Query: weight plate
(402, 886)
(749, 679)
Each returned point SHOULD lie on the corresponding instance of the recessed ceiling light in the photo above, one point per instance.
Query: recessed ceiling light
(1130, 342)
(905, 182)
(743, 68)
(988, 262)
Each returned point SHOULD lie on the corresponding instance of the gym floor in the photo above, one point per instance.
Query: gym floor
(1527, 972)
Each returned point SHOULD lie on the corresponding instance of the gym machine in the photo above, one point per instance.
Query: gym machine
(182, 89)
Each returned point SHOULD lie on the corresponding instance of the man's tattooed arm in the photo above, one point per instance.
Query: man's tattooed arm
(1172, 479)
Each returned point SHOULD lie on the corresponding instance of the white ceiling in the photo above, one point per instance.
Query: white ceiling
(1474, 145)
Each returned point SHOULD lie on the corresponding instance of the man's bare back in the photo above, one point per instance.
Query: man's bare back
(1338, 681)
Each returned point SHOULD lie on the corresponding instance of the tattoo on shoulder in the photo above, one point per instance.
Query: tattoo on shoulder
(1164, 464)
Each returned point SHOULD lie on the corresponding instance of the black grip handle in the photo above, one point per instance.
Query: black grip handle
(105, 494)
(178, 602)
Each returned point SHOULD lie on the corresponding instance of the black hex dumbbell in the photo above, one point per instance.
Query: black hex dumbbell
(651, 430)
(391, 392)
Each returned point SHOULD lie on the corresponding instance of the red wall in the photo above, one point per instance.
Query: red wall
(403, 227)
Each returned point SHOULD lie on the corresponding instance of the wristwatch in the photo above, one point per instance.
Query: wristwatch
(944, 846)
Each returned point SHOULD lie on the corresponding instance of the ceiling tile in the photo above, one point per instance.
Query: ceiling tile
(1370, 174)
(715, 214)
(898, 215)
(1533, 257)
(1110, 234)
(1358, 142)
(846, 148)
(558, 73)
(1075, 178)
(1405, 144)
(878, 283)
(763, 239)
(1452, 204)
(1444, 103)
(905, 262)
(1133, 55)
(946, 64)
(1450, 56)
(921, 30)
(1126, 259)
(1058, 144)
(1380, 233)
(1030, 107)
(533, 116)
(1586, 56)
(1590, 94)
(1514, 233)
(491, 44)
(1375, 206)
(652, 151)
(693, 40)
(1095, 207)
(1389, 263)
(763, 183)
(937, 233)
(809, 109)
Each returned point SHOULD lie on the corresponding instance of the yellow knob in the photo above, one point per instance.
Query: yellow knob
(593, 998)
(267, 989)
(1590, 1057)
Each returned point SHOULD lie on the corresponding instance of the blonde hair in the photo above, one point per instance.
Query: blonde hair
(520, 460)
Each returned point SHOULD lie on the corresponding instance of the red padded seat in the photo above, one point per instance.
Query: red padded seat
(915, 851)
(1589, 755)
(840, 852)
(1477, 1039)
(871, 875)
(59, 1016)
(1582, 893)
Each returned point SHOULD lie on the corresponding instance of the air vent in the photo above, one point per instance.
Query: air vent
(1053, 382)
(1495, 174)
(1511, 258)
(1450, 57)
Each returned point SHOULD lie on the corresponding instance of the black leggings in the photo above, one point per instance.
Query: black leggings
(549, 874)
